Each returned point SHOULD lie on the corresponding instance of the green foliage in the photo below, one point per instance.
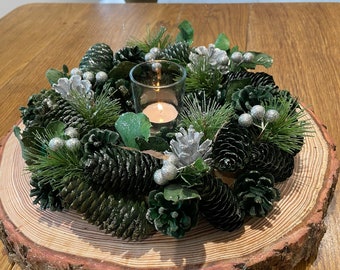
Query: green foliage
(192, 174)
(205, 116)
(186, 33)
(288, 131)
(222, 42)
(176, 193)
(131, 126)
(153, 39)
(53, 75)
(154, 143)
(173, 218)
(203, 77)
(98, 112)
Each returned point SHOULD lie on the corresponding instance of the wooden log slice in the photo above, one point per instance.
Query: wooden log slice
(39, 239)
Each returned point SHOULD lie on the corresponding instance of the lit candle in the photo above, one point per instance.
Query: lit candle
(160, 112)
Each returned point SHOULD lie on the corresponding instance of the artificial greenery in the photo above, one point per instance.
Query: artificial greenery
(87, 149)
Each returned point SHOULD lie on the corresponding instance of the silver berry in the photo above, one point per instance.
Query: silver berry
(158, 178)
(245, 120)
(169, 171)
(72, 144)
(236, 57)
(149, 57)
(257, 112)
(156, 67)
(76, 71)
(88, 76)
(71, 132)
(156, 51)
(248, 57)
(101, 77)
(56, 143)
(271, 115)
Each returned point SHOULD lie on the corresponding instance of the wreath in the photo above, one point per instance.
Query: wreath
(86, 149)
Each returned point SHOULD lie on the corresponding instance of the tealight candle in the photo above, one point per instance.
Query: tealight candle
(157, 88)
(160, 112)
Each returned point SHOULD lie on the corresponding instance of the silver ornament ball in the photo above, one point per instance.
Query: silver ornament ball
(101, 77)
(248, 57)
(88, 76)
(156, 67)
(156, 51)
(245, 120)
(71, 132)
(149, 57)
(56, 143)
(236, 57)
(72, 144)
(169, 171)
(257, 112)
(271, 115)
(76, 71)
(158, 178)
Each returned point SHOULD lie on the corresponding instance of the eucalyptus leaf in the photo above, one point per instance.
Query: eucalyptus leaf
(235, 85)
(131, 126)
(175, 193)
(222, 42)
(186, 33)
(53, 75)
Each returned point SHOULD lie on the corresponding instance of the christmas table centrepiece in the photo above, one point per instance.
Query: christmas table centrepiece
(89, 147)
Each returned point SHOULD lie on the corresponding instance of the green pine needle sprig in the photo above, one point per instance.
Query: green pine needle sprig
(54, 167)
(202, 76)
(158, 39)
(288, 131)
(99, 112)
(205, 116)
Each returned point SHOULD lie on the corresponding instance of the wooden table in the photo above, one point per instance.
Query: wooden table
(302, 38)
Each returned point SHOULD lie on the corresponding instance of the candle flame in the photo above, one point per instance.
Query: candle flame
(160, 107)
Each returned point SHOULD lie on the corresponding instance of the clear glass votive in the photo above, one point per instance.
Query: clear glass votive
(158, 89)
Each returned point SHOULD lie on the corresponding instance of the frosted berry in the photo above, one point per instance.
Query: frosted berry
(236, 57)
(245, 120)
(76, 71)
(88, 76)
(257, 112)
(248, 57)
(169, 171)
(101, 77)
(150, 57)
(72, 144)
(271, 115)
(156, 67)
(71, 132)
(56, 143)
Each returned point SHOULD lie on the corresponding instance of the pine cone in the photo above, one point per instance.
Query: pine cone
(269, 158)
(44, 194)
(49, 106)
(232, 148)
(132, 54)
(256, 78)
(219, 205)
(256, 193)
(124, 171)
(99, 57)
(179, 52)
(172, 218)
(122, 217)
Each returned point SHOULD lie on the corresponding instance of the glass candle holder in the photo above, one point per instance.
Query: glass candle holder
(158, 88)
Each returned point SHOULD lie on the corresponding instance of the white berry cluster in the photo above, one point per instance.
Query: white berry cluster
(153, 54)
(239, 58)
(258, 114)
(99, 77)
(72, 143)
(186, 149)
